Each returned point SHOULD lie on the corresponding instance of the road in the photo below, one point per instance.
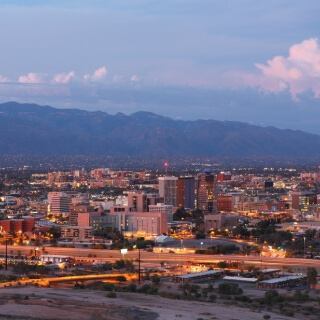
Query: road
(169, 258)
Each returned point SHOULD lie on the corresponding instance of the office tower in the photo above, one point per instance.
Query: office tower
(75, 210)
(141, 201)
(225, 202)
(186, 195)
(59, 202)
(168, 189)
(207, 192)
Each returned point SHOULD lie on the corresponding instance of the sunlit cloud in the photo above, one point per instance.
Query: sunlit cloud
(300, 71)
(4, 79)
(134, 78)
(64, 77)
(98, 75)
(31, 78)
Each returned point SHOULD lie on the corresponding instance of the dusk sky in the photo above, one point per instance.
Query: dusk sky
(250, 61)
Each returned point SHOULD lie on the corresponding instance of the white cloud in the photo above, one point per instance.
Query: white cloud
(98, 75)
(117, 78)
(300, 71)
(3, 79)
(64, 77)
(134, 78)
(31, 78)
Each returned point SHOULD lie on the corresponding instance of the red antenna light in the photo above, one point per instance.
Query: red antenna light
(166, 167)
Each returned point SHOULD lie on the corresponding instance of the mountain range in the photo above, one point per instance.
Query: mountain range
(34, 129)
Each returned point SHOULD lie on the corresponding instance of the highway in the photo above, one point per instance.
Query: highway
(170, 258)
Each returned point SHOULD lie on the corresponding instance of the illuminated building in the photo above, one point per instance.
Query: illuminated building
(168, 189)
(186, 192)
(207, 192)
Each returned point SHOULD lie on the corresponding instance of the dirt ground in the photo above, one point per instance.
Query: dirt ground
(34, 303)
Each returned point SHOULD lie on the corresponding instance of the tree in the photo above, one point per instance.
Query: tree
(54, 232)
(310, 233)
(240, 231)
(121, 278)
(180, 214)
(222, 264)
(200, 235)
(312, 275)
(155, 279)
(229, 288)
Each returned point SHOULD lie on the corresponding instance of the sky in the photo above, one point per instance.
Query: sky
(250, 61)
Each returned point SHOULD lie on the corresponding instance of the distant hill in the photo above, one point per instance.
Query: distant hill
(34, 129)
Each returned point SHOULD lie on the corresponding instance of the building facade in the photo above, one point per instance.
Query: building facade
(186, 192)
(207, 192)
(168, 189)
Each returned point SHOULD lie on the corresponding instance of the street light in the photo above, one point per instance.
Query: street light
(304, 247)
(201, 244)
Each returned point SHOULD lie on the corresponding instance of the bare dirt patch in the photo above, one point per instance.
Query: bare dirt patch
(34, 303)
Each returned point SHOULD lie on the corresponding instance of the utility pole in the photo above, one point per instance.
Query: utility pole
(6, 254)
(139, 267)
(139, 263)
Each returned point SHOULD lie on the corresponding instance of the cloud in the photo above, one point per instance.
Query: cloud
(3, 79)
(98, 75)
(64, 77)
(300, 71)
(134, 78)
(31, 78)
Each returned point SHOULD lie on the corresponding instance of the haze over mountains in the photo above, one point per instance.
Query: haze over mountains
(33, 129)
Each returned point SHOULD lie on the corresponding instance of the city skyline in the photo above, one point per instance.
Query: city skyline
(255, 63)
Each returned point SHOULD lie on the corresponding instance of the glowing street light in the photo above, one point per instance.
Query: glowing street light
(201, 244)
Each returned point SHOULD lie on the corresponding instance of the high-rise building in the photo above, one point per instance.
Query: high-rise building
(168, 189)
(143, 223)
(59, 203)
(207, 192)
(301, 199)
(141, 201)
(75, 210)
(186, 195)
(225, 202)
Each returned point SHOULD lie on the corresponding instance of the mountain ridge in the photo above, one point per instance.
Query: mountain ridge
(33, 129)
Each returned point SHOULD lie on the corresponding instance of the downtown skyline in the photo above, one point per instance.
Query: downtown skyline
(248, 62)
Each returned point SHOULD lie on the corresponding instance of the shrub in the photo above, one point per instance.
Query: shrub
(288, 313)
(79, 286)
(170, 295)
(111, 294)
(148, 289)
(228, 288)
(131, 288)
(121, 278)
(212, 297)
(155, 279)
(243, 298)
(108, 286)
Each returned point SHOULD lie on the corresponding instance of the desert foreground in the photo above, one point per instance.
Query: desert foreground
(55, 303)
